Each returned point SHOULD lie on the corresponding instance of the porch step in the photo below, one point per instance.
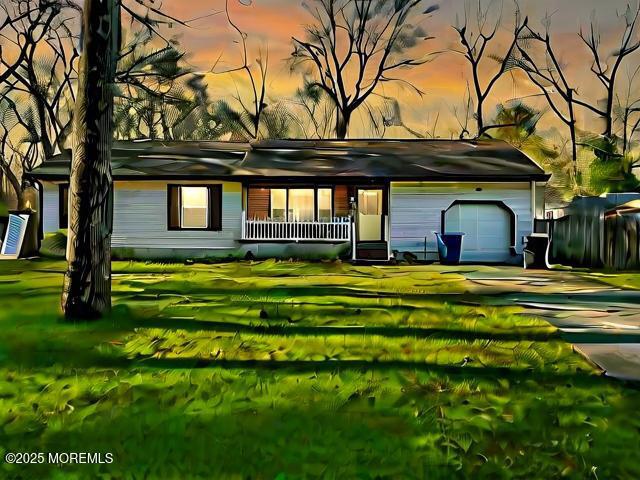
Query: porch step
(372, 251)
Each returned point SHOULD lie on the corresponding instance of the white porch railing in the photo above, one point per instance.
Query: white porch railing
(336, 230)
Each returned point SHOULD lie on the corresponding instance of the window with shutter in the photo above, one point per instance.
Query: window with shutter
(194, 207)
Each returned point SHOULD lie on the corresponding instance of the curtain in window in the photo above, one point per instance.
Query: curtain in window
(301, 204)
(279, 204)
(324, 205)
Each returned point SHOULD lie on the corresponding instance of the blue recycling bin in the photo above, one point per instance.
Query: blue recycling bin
(449, 247)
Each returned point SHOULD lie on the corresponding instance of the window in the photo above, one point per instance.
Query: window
(279, 204)
(301, 204)
(195, 207)
(370, 202)
(325, 210)
(295, 204)
(63, 210)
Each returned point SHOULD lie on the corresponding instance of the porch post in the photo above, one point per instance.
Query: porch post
(388, 235)
(353, 238)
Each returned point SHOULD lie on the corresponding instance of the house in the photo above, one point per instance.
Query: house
(312, 198)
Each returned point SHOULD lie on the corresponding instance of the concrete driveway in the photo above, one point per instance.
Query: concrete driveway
(602, 321)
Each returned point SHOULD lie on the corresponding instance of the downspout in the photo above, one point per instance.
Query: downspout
(353, 213)
(533, 206)
(388, 221)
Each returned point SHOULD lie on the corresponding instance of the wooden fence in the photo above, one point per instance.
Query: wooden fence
(622, 242)
(597, 238)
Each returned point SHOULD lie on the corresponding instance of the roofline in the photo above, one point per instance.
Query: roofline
(301, 178)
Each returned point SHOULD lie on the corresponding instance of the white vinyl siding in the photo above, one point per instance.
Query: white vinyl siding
(141, 219)
(50, 207)
(416, 210)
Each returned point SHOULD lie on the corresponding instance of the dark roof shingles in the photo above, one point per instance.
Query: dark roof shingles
(388, 159)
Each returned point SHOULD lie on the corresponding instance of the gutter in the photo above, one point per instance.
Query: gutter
(306, 178)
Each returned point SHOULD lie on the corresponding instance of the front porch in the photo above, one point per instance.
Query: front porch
(336, 230)
(322, 214)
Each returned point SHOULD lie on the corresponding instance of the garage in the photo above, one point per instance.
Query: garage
(488, 229)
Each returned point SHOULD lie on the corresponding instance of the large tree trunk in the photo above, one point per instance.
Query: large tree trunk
(87, 283)
(342, 124)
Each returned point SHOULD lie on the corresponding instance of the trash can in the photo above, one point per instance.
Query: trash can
(449, 247)
(536, 251)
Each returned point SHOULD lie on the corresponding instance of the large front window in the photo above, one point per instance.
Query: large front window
(301, 204)
(298, 204)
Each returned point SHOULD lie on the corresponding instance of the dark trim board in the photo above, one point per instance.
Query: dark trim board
(497, 203)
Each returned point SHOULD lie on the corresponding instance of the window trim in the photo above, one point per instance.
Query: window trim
(63, 220)
(210, 189)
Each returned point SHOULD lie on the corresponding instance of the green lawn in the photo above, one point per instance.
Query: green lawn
(294, 370)
(628, 281)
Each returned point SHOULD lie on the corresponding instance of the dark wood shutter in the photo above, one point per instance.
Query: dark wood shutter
(173, 207)
(258, 203)
(215, 207)
(63, 207)
(341, 201)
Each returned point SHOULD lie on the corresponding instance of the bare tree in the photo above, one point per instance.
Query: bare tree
(156, 90)
(354, 46)
(606, 69)
(316, 118)
(18, 143)
(477, 32)
(547, 73)
(246, 123)
(37, 72)
(627, 112)
(463, 115)
(390, 113)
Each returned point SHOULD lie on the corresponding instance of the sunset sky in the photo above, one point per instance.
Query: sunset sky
(271, 24)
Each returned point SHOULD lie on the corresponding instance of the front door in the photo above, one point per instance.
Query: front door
(370, 215)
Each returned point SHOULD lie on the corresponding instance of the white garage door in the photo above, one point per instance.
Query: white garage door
(487, 230)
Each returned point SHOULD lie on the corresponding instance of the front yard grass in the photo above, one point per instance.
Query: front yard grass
(298, 370)
(626, 280)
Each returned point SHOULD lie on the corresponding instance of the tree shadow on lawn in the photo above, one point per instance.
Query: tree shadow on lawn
(389, 332)
(577, 378)
(424, 434)
(151, 440)
(111, 358)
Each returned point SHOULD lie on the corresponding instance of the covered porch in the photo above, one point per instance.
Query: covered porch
(319, 213)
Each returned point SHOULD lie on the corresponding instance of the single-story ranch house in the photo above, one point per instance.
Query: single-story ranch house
(312, 199)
